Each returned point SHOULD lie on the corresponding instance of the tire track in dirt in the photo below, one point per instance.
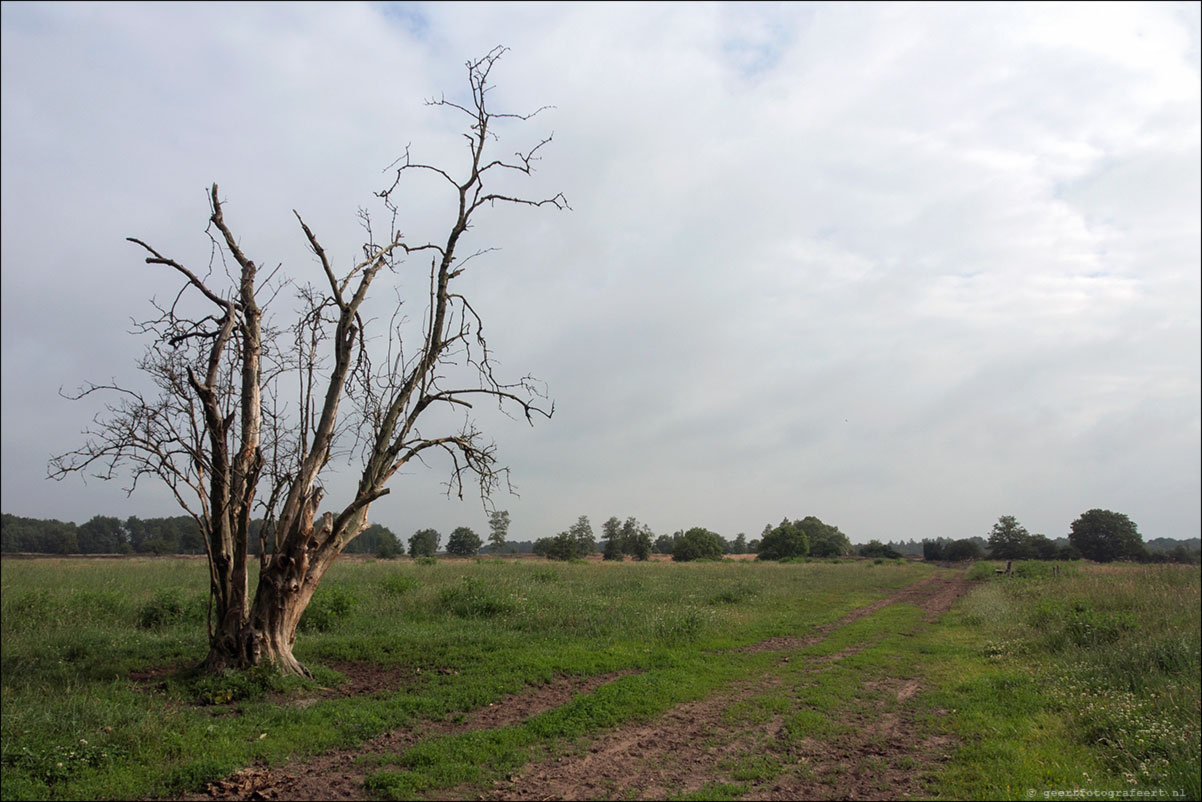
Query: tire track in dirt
(680, 751)
(339, 775)
(674, 753)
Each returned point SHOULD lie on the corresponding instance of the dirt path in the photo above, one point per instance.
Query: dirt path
(678, 752)
(675, 753)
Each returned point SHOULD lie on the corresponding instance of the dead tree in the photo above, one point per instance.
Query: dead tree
(220, 434)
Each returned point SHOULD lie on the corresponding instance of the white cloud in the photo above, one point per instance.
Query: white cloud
(908, 268)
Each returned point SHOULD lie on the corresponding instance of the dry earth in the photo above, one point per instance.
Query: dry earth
(877, 756)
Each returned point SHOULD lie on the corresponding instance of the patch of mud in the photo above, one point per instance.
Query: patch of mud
(679, 750)
(360, 678)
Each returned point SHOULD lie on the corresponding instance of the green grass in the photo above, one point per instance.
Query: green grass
(1087, 679)
(1080, 684)
(73, 630)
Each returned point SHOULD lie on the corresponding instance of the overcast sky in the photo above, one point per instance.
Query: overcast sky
(905, 268)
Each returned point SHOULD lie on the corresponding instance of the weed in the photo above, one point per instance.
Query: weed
(398, 585)
(330, 604)
(59, 762)
(473, 598)
(544, 575)
(169, 607)
(680, 627)
(1086, 627)
(980, 570)
(735, 593)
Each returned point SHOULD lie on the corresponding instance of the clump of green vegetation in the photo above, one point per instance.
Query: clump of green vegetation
(331, 603)
(474, 598)
(736, 592)
(235, 686)
(979, 571)
(398, 585)
(58, 763)
(169, 607)
(544, 575)
(680, 626)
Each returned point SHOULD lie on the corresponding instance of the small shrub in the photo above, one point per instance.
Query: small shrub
(426, 559)
(329, 604)
(193, 775)
(733, 594)
(59, 763)
(169, 607)
(231, 686)
(544, 575)
(389, 548)
(1171, 655)
(396, 585)
(680, 627)
(32, 610)
(1087, 627)
(980, 570)
(1046, 614)
(475, 599)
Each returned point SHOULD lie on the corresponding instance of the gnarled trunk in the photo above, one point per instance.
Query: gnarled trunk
(265, 637)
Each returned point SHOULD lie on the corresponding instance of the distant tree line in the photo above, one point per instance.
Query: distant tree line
(102, 534)
(1098, 535)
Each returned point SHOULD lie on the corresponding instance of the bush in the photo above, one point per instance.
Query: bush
(168, 607)
(697, 544)
(475, 599)
(875, 548)
(544, 575)
(980, 570)
(329, 604)
(389, 548)
(463, 542)
(234, 686)
(423, 543)
(564, 546)
(398, 585)
(733, 594)
(785, 541)
(680, 627)
(961, 550)
(1088, 627)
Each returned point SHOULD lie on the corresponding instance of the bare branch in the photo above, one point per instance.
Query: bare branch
(158, 259)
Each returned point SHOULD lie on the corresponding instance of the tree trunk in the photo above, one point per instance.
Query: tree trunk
(271, 630)
(267, 636)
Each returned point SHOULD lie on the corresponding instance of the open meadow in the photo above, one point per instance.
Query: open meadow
(527, 679)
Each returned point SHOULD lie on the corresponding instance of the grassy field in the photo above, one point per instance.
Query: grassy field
(1082, 684)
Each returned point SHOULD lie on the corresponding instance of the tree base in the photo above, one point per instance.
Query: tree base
(258, 649)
